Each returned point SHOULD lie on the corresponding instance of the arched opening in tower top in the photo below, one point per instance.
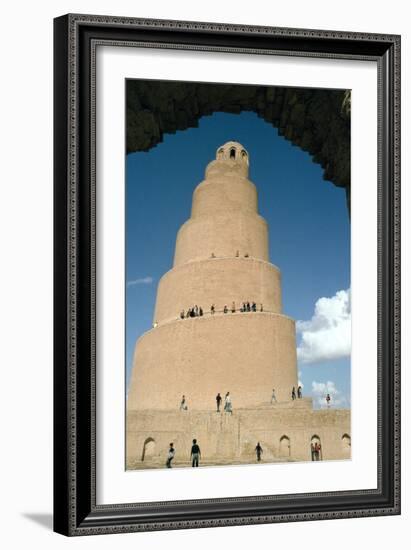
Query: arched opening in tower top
(232, 153)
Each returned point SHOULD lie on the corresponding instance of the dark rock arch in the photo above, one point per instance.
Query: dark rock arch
(317, 120)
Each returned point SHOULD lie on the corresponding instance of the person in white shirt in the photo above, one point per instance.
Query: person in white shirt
(227, 403)
(183, 404)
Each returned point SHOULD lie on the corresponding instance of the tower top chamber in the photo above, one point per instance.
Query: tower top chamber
(231, 160)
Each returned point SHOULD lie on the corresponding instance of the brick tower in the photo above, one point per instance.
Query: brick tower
(221, 259)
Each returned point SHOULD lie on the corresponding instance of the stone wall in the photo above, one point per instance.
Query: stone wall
(284, 430)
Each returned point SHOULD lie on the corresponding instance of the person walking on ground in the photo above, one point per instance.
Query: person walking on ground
(273, 397)
(218, 401)
(312, 451)
(225, 309)
(328, 399)
(212, 309)
(233, 307)
(261, 308)
(317, 451)
(253, 306)
(195, 454)
(227, 403)
(258, 451)
(170, 455)
(200, 311)
(182, 314)
(183, 404)
(248, 306)
(293, 394)
(299, 392)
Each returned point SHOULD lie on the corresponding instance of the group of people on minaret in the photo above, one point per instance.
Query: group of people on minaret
(237, 255)
(299, 393)
(197, 311)
(194, 311)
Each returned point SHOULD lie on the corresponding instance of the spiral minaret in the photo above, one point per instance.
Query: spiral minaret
(221, 258)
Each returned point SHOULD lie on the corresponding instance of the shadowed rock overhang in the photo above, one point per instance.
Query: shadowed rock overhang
(316, 120)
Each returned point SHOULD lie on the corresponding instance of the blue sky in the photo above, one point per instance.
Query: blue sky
(308, 227)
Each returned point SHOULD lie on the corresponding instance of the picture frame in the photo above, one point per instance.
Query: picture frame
(76, 38)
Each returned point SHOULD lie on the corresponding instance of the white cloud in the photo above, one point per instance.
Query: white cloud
(320, 390)
(142, 281)
(327, 335)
